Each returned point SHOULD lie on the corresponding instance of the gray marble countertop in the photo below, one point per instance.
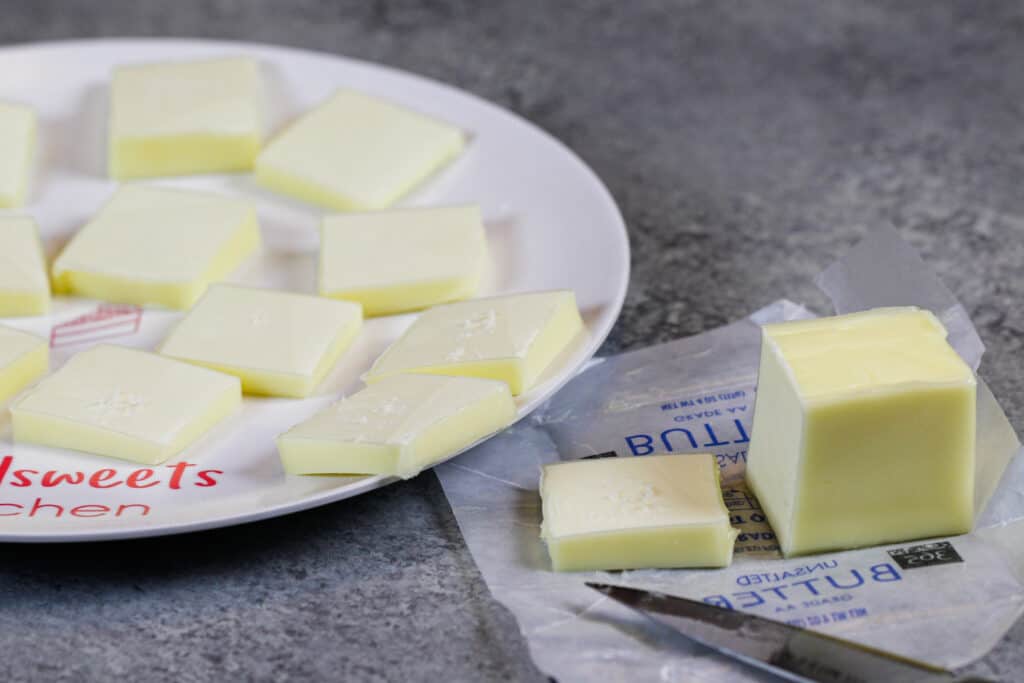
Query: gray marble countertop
(747, 144)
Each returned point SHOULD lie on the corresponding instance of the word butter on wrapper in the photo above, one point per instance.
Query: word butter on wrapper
(627, 513)
(863, 431)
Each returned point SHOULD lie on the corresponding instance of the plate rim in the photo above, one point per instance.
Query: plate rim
(373, 482)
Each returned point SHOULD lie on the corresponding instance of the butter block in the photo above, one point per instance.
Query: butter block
(24, 282)
(277, 343)
(356, 152)
(24, 358)
(655, 511)
(863, 431)
(179, 118)
(399, 426)
(510, 338)
(154, 245)
(18, 127)
(398, 261)
(125, 403)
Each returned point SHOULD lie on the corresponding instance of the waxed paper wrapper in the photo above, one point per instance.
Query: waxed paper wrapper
(696, 395)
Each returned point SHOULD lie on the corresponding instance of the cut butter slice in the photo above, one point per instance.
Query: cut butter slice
(24, 283)
(655, 511)
(179, 118)
(277, 343)
(24, 358)
(125, 403)
(398, 426)
(398, 261)
(17, 145)
(863, 431)
(510, 338)
(356, 152)
(154, 245)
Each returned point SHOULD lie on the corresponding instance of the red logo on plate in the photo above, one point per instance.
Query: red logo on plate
(108, 321)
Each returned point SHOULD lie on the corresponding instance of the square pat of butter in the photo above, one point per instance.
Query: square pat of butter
(398, 261)
(180, 118)
(17, 145)
(653, 511)
(155, 245)
(511, 338)
(24, 282)
(125, 403)
(355, 152)
(277, 343)
(24, 358)
(399, 426)
(863, 431)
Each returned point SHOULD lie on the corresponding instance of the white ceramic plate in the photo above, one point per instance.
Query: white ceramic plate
(550, 223)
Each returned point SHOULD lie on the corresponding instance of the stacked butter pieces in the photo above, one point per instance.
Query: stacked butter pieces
(448, 382)
(444, 384)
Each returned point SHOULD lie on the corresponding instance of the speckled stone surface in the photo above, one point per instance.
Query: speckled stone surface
(747, 143)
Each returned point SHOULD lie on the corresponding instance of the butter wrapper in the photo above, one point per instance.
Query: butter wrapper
(945, 601)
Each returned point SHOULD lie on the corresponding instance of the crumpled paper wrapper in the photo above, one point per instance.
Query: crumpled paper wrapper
(944, 601)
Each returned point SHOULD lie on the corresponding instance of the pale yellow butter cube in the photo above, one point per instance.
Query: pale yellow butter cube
(510, 338)
(863, 431)
(24, 358)
(24, 283)
(277, 343)
(18, 127)
(654, 511)
(180, 118)
(125, 403)
(399, 426)
(157, 245)
(398, 261)
(355, 151)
